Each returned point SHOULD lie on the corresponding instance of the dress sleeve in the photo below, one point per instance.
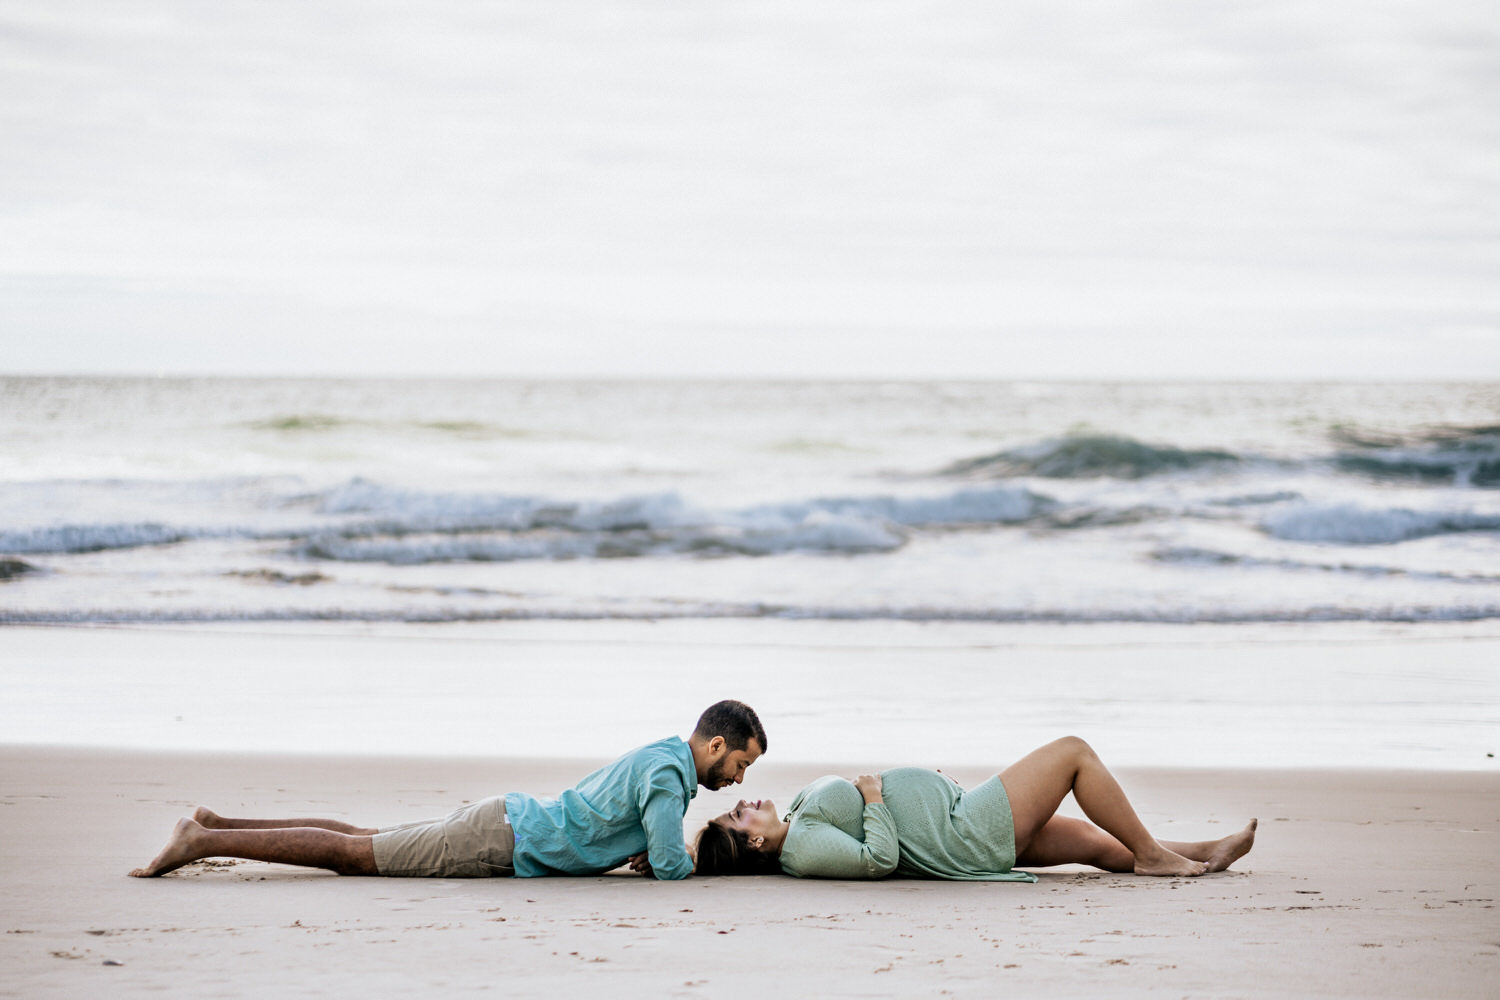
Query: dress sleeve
(824, 851)
(661, 817)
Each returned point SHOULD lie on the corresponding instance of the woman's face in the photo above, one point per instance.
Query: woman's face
(757, 818)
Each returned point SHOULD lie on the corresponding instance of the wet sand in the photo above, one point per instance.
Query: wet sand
(1362, 883)
(945, 694)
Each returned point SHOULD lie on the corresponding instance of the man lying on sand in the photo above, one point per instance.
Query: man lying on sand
(630, 810)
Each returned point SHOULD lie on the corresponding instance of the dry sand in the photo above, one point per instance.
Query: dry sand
(1362, 883)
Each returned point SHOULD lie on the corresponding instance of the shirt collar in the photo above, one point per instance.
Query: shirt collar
(686, 753)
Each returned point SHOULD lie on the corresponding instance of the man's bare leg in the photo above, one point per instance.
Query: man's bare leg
(1063, 840)
(310, 847)
(1038, 782)
(210, 820)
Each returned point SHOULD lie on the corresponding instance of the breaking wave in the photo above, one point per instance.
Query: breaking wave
(65, 538)
(818, 533)
(420, 527)
(1456, 456)
(1349, 524)
(361, 521)
(1084, 456)
(1460, 456)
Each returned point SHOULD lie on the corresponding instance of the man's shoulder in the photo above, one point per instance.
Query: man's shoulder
(672, 751)
(666, 765)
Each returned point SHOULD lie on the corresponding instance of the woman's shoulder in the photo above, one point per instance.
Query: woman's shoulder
(820, 786)
(832, 799)
(818, 815)
(820, 790)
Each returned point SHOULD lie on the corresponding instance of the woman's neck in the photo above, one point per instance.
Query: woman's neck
(776, 838)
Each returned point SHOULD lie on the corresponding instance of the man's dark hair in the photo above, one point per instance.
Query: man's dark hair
(733, 720)
(723, 851)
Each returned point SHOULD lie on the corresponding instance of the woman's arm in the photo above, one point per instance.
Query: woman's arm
(820, 849)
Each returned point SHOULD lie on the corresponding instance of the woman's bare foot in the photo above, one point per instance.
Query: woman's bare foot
(1232, 848)
(181, 849)
(1167, 863)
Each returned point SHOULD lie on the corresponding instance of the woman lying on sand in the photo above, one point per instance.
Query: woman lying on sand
(921, 823)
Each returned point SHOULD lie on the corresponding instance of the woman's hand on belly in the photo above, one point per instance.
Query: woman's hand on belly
(869, 787)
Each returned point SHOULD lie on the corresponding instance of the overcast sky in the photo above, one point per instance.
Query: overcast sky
(858, 188)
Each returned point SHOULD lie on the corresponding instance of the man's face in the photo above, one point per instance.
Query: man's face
(729, 767)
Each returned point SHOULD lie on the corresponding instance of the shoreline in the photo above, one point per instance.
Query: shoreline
(1371, 883)
(1300, 698)
(713, 630)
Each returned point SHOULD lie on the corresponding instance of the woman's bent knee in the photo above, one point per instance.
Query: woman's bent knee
(1074, 745)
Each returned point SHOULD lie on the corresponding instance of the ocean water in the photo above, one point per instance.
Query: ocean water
(146, 500)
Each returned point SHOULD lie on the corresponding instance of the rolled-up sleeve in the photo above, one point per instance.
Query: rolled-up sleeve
(661, 817)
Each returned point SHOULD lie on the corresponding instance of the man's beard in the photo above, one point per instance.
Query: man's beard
(718, 773)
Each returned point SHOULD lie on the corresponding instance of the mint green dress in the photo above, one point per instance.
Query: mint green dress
(927, 827)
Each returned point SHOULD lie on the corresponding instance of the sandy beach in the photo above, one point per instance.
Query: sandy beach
(1366, 880)
(408, 404)
(1362, 883)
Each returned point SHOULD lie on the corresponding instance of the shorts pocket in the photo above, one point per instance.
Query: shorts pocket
(478, 841)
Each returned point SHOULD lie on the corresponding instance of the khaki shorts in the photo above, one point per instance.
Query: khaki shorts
(475, 841)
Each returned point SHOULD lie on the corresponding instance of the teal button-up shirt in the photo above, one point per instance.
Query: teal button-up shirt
(634, 804)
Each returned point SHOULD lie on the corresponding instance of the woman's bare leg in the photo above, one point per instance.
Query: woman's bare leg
(310, 847)
(1219, 854)
(1063, 840)
(1038, 782)
(210, 820)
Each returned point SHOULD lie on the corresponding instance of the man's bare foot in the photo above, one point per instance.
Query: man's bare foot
(1232, 848)
(207, 818)
(181, 849)
(1168, 863)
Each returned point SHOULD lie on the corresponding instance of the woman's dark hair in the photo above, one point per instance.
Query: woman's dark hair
(722, 851)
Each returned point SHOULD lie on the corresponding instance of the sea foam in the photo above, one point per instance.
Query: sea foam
(1350, 524)
(66, 538)
(415, 527)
